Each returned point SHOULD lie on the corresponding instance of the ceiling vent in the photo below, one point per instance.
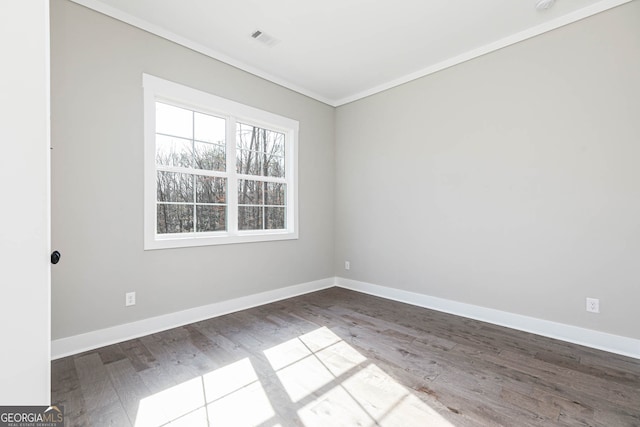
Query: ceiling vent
(544, 4)
(265, 38)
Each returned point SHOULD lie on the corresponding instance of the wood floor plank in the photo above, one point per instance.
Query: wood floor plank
(157, 379)
(613, 393)
(111, 353)
(338, 357)
(178, 342)
(97, 390)
(101, 401)
(570, 412)
(66, 391)
(64, 378)
(139, 355)
(110, 415)
(222, 350)
(130, 388)
(159, 345)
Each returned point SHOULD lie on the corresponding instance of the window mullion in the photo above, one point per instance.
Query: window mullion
(264, 210)
(193, 164)
(232, 180)
(180, 169)
(262, 178)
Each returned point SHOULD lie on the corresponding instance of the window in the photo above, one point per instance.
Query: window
(216, 171)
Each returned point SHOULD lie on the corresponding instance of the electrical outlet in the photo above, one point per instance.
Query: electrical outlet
(129, 299)
(593, 305)
(347, 265)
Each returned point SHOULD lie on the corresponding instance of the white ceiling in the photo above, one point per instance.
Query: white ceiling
(338, 51)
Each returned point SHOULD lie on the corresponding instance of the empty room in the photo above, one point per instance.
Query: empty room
(250, 213)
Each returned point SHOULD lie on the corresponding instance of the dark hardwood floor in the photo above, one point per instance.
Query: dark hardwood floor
(338, 357)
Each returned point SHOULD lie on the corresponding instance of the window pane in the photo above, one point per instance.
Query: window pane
(211, 218)
(209, 128)
(210, 156)
(274, 193)
(249, 162)
(250, 192)
(260, 139)
(276, 144)
(172, 151)
(259, 151)
(174, 121)
(174, 218)
(175, 187)
(259, 163)
(250, 218)
(246, 137)
(211, 189)
(274, 218)
(275, 166)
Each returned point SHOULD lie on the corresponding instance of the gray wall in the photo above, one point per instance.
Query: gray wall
(511, 181)
(97, 181)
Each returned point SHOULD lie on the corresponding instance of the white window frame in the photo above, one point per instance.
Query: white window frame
(157, 89)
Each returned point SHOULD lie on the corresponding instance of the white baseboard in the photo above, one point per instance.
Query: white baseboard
(573, 334)
(587, 337)
(88, 341)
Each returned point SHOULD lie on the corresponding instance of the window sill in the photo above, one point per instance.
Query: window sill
(193, 241)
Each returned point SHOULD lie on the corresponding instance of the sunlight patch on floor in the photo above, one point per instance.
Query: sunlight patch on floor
(317, 376)
(342, 387)
(170, 404)
(231, 378)
(220, 397)
(198, 418)
(311, 361)
(388, 402)
(249, 406)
